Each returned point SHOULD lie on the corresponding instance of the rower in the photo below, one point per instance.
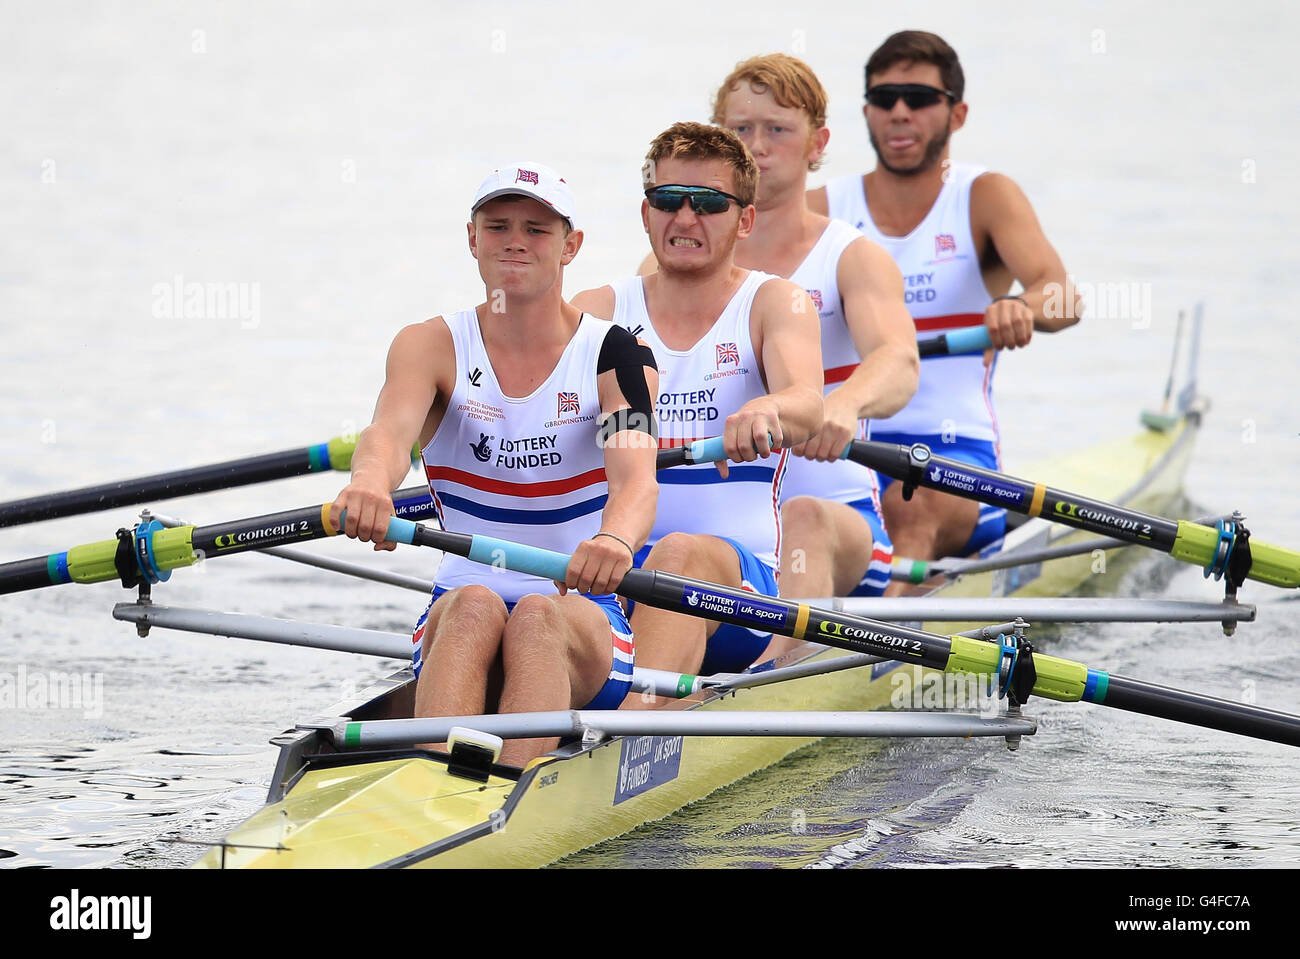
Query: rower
(535, 424)
(961, 235)
(834, 543)
(739, 357)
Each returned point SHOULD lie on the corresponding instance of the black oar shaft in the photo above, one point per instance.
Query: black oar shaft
(261, 532)
(1200, 710)
(200, 479)
(1032, 499)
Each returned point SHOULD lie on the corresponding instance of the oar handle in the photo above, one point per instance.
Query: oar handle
(700, 451)
(487, 550)
(974, 339)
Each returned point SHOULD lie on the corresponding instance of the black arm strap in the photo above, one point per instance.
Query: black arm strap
(628, 358)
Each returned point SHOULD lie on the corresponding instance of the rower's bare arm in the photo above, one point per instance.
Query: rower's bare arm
(787, 338)
(599, 302)
(871, 286)
(1000, 209)
(648, 265)
(599, 564)
(420, 362)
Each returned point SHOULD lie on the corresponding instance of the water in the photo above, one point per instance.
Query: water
(322, 158)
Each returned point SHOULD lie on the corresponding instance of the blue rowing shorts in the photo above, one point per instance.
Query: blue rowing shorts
(732, 649)
(882, 550)
(619, 682)
(991, 525)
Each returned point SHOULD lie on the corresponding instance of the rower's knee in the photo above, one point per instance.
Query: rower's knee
(672, 554)
(806, 516)
(470, 623)
(475, 603)
(533, 612)
(535, 627)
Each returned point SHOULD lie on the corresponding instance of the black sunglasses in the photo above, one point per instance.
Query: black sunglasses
(915, 95)
(703, 199)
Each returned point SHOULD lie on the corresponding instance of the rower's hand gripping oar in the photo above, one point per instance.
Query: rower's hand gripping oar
(1223, 550)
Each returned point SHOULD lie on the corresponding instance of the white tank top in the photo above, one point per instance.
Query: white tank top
(527, 469)
(698, 389)
(841, 481)
(945, 291)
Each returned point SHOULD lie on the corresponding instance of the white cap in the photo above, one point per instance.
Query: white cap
(528, 179)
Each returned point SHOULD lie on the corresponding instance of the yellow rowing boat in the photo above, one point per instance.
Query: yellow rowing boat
(406, 807)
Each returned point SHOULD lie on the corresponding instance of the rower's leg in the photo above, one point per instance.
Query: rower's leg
(557, 653)
(931, 525)
(462, 640)
(825, 551)
(673, 641)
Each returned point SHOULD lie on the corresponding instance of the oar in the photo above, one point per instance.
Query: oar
(1021, 670)
(335, 454)
(1226, 548)
(975, 339)
(148, 553)
(1164, 420)
(151, 552)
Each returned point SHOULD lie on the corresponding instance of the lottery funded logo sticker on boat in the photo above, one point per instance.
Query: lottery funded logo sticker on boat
(646, 762)
(751, 610)
(960, 481)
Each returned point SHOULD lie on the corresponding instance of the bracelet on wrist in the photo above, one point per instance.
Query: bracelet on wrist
(1011, 296)
(615, 536)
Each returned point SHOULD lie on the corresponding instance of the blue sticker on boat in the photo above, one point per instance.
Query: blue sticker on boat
(984, 489)
(744, 607)
(646, 762)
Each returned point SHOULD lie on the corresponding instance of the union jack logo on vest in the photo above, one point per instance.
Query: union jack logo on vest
(568, 404)
(944, 243)
(816, 297)
(727, 353)
(526, 176)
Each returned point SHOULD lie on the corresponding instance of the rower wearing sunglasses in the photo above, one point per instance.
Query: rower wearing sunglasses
(961, 236)
(739, 357)
(834, 543)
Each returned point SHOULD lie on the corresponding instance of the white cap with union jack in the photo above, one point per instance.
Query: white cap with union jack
(528, 179)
